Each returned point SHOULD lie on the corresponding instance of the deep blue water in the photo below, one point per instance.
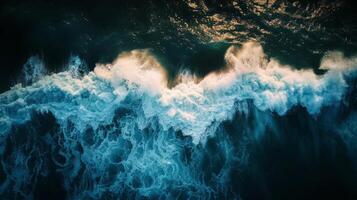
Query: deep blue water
(178, 100)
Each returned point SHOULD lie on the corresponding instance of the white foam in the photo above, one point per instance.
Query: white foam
(137, 67)
(193, 107)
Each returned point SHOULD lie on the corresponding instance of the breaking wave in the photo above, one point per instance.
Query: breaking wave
(189, 106)
(121, 128)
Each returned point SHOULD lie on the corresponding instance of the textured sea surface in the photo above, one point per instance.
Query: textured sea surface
(178, 100)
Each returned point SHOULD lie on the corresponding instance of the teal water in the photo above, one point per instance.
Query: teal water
(178, 100)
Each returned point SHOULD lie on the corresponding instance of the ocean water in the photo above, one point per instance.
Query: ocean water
(178, 100)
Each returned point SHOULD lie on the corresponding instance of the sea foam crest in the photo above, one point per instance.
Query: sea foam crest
(32, 70)
(195, 108)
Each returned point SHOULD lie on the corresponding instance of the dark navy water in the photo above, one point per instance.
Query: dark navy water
(297, 32)
(178, 99)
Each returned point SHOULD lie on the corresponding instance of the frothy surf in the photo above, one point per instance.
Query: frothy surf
(114, 130)
(192, 106)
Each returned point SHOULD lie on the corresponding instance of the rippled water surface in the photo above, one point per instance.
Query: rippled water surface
(178, 100)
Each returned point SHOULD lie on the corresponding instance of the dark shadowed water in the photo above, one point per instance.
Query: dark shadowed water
(206, 100)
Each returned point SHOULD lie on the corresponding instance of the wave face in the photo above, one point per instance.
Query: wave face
(120, 132)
